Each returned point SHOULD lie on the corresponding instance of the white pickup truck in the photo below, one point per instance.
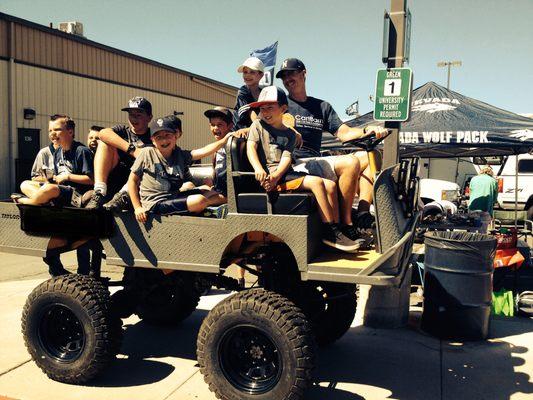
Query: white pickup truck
(507, 183)
(505, 171)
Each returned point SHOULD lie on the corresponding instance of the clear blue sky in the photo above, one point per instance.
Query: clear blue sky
(339, 41)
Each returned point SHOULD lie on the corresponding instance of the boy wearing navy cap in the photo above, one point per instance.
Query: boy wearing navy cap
(159, 172)
(118, 148)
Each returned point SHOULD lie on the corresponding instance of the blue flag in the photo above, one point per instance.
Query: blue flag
(267, 55)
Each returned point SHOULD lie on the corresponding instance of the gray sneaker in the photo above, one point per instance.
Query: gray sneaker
(333, 237)
(96, 201)
(120, 202)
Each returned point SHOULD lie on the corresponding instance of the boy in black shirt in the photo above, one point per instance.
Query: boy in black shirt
(118, 148)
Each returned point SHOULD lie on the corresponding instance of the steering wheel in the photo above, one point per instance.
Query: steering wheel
(368, 142)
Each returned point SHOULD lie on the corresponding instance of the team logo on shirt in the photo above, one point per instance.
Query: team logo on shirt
(303, 121)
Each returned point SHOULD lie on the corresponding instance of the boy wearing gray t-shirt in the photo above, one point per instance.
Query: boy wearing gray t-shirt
(159, 172)
(272, 141)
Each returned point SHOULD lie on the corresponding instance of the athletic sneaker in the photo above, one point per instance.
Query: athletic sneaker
(333, 237)
(365, 220)
(120, 202)
(97, 200)
(355, 233)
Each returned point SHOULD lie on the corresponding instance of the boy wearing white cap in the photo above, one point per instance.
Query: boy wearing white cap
(252, 70)
(273, 142)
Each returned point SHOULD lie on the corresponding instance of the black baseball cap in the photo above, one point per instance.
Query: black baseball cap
(161, 124)
(139, 103)
(290, 64)
(222, 112)
(173, 121)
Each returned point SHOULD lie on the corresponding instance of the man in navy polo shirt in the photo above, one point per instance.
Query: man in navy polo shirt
(312, 117)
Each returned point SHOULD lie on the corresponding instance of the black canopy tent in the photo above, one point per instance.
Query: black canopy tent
(447, 124)
(444, 123)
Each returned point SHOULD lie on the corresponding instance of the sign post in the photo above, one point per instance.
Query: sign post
(393, 94)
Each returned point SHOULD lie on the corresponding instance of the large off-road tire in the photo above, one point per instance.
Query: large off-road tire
(167, 304)
(256, 345)
(330, 307)
(68, 328)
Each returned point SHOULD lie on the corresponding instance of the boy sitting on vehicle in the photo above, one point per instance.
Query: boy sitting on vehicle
(252, 70)
(73, 168)
(277, 142)
(159, 172)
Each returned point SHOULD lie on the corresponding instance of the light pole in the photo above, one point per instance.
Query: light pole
(449, 64)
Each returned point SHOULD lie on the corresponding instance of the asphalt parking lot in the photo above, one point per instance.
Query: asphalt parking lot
(160, 363)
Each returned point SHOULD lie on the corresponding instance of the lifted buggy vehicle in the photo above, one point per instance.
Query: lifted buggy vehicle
(257, 343)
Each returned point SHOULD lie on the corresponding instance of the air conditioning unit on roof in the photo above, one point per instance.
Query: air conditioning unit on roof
(74, 28)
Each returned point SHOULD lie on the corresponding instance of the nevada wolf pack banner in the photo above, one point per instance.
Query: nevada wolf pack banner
(445, 123)
(268, 56)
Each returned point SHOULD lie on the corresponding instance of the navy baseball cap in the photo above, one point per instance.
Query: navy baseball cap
(173, 121)
(290, 64)
(139, 103)
(161, 124)
(221, 112)
(269, 95)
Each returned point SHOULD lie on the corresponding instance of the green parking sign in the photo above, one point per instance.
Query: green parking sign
(393, 94)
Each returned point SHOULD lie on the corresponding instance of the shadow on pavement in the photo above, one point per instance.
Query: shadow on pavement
(125, 372)
(408, 364)
(488, 369)
(143, 340)
(374, 363)
(365, 363)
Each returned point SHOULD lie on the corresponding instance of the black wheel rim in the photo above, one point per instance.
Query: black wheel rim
(61, 333)
(249, 359)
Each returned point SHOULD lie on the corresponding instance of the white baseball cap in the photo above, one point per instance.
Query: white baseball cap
(253, 63)
(270, 94)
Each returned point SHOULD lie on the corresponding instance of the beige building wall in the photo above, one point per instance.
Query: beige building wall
(88, 102)
(92, 102)
(4, 130)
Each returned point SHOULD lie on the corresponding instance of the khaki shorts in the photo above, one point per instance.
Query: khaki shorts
(318, 166)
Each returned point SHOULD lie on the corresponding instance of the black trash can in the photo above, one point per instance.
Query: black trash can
(458, 271)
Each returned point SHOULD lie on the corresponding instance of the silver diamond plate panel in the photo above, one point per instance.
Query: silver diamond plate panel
(13, 239)
(178, 241)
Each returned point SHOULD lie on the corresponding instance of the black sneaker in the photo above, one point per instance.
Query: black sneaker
(333, 237)
(120, 202)
(354, 233)
(365, 220)
(96, 201)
